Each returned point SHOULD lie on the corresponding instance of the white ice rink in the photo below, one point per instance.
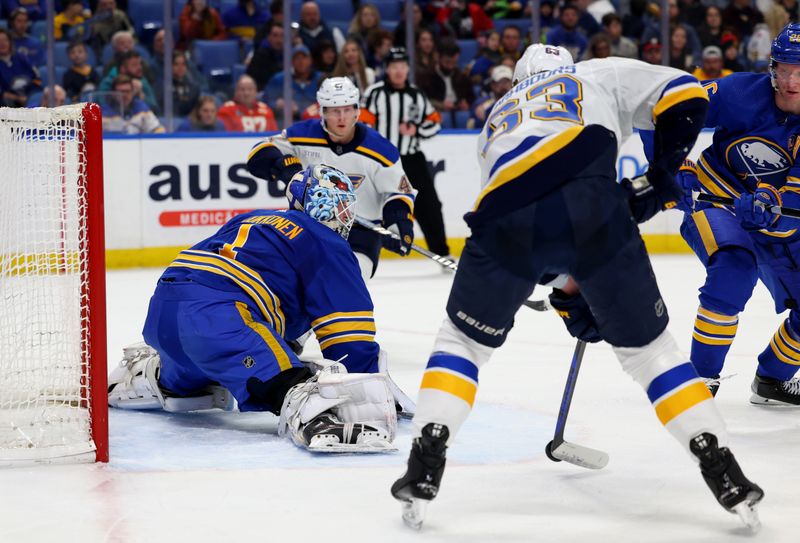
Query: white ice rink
(227, 477)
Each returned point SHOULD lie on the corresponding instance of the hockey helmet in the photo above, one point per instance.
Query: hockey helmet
(541, 58)
(396, 54)
(326, 195)
(785, 49)
(337, 92)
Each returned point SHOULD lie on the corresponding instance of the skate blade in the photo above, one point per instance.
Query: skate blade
(414, 511)
(755, 399)
(375, 446)
(748, 514)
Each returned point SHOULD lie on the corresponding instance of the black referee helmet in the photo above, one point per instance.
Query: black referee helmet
(396, 54)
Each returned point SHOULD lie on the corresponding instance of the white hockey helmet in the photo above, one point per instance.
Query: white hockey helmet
(336, 92)
(541, 58)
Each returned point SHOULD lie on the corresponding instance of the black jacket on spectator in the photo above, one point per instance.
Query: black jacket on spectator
(741, 20)
(434, 86)
(75, 83)
(265, 63)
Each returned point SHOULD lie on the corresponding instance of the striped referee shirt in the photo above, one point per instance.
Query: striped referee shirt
(385, 107)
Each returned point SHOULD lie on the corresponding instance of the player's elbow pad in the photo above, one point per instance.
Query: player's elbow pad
(260, 166)
(676, 131)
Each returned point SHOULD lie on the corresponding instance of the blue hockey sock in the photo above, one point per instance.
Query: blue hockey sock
(781, 359)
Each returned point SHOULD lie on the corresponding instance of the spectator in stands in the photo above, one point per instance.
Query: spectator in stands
(488, 57)
(69, 24)
(314, 30)
(599, 47)
(267, 59)
(130, 64)
(199, 21)
(18, 79)
(276, 11)
(792, 7)
(547, 18)
(37, 9)
(741, 17)
(587, 23)
(730, 52)
(425, 57)
(107, 21)
(81, 76)
(305, 82)
(351, 64)
(380, 42)
(447, 87)
(419, 21)
(460, 19)
(243, 19)
(633, 23)
(185, 89)
(566, 33)
(692, 12)
(511, 41)
(25, 45)
(324, 57)
(679, 55)
(779, 14)
(504, 9)
(246, 113)
(759, 46)
(123, 42)
(366, 20)
(710, 31)
(499, 84)
(654, 30)
(621, 46)
(60, 97)
(712, 65)
(125, 113)
(651, 51)
(203, 117)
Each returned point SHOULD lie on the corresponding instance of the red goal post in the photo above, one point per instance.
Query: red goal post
(53, 377)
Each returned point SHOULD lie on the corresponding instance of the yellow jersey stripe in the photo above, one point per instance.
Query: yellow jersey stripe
(672, 98)
(344, 326)
(525, 162)
(447, 382)
(705, 340)
(719, 317)
(258, 148)
(682, 401)
(721, 329)
(382, 159)
(788, 338)
(780, 354)
(318, 141)
(713, 181)
(272, 342)
(324, 344)
(342, 315)
(706, 234)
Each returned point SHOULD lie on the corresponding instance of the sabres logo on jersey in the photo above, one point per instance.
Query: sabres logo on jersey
(758, 158)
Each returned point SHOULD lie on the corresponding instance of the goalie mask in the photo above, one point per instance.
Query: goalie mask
(326, 195)
(337, 92)
(541, 58)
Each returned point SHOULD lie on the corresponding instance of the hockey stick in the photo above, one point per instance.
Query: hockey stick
(559, 449)
(441, 260)
(728, 201)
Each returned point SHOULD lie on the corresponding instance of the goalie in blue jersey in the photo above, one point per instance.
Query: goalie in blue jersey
(218, 321)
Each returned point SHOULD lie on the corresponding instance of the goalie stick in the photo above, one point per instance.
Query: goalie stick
(559, 449)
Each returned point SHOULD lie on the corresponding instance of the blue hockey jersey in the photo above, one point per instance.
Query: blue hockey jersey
(298, 273)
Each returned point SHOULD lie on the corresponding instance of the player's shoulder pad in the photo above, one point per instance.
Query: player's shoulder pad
(378, 148)
(311, 128)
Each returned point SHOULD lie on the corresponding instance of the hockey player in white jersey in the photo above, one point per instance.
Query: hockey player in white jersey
(369, 160)
(550, 204)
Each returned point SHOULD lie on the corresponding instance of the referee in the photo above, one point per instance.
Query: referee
(402, 114)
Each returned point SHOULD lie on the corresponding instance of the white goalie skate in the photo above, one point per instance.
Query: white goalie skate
(134, 385)
(340, 413)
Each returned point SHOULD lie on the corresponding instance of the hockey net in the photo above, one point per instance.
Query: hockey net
(53, 402)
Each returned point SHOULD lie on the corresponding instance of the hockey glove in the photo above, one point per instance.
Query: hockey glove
(753, 209)
(655, 191)
(576, 315)
(396, 213)
(285, 168)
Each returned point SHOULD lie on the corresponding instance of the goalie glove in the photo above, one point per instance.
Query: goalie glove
(577, 316)
(285, 168)
(396, 213)
(651, 193)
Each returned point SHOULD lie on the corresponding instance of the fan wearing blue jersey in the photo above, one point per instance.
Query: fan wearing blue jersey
(218, 322)
(370, 160)
(753, 159)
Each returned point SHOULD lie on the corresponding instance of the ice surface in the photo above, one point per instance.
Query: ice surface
(227, 477)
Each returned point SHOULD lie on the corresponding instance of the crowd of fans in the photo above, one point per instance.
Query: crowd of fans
(464, 55)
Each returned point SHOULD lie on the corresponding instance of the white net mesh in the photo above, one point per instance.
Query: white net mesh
(44, 393)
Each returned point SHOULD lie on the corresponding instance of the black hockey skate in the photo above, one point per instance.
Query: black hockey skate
(769, 391)
(724, 477)
(326, 433)
(420, 484)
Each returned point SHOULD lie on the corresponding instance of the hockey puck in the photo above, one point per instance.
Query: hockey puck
(548, 450)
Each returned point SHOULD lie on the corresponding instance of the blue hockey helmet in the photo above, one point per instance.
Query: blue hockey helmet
(785, 48)
(325, 194)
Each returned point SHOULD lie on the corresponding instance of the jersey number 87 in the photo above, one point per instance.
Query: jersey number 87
(562, 97)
